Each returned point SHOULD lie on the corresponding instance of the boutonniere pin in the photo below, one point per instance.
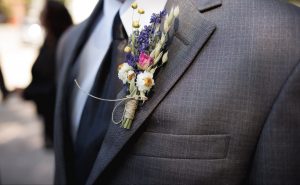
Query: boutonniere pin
(145, 52)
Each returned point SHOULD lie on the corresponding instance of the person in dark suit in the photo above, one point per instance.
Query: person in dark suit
(225, 108)
(3, 88)
(55, 19)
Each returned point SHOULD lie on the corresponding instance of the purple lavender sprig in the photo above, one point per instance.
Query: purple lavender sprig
(143, 40)
(145, 53)
(157, 18)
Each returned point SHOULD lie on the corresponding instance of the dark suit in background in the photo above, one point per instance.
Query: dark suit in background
(55, 18)
(225, 108)
(3, 89)
(42, 88)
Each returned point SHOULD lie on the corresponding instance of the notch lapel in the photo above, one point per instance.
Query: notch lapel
(67, 76)
(205, 5)
(191, 32)
(63, 142)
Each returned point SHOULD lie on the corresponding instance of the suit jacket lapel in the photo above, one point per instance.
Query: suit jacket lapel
(62, 130)
(191, 32)
(68, 75)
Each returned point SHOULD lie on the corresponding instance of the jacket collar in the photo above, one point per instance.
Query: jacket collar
(191, 33)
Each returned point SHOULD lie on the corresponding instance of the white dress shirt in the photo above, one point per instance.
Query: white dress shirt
(150, 7)
(98, 44)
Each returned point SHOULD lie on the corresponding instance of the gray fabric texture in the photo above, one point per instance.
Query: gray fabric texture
(225, 109)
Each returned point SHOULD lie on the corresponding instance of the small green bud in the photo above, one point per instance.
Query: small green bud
(165, 57)
(135, 24)
(127, 49)
(134, 5)
(141, 11)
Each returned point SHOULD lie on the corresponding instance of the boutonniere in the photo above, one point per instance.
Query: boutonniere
(145, 52)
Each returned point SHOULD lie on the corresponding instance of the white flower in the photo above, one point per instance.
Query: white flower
(130, 75)
(145, 81)
(123, 72)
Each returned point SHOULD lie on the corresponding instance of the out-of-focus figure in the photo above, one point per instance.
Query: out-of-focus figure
(55, 19)
(3, 89)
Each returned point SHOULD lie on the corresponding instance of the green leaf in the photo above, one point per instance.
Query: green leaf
(132, 87)
(157, 50)
(165, 57)
(157, 59)
(153, 70)
(163, 39)
(152, 54)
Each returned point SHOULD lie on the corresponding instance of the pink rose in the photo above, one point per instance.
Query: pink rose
(144, 61)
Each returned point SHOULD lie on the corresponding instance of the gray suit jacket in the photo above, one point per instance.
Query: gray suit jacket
(225, 109)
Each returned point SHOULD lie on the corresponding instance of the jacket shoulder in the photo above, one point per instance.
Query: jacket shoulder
(67, 41)
(66, 46)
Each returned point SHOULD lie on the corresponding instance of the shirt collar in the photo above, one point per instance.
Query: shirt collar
(111, 6)
(150, 7)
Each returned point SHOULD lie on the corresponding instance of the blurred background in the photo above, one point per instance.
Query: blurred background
(26, 155)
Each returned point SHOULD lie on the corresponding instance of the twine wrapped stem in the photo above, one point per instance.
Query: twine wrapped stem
(130, 109)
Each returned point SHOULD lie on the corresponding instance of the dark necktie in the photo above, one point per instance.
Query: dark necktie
(96, 114)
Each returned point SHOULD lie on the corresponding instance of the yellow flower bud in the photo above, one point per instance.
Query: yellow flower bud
(120, 66)
(148, 82)
(134, 5)
(141, 11)
(135, 24)
(127, 49)
(131, 75)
